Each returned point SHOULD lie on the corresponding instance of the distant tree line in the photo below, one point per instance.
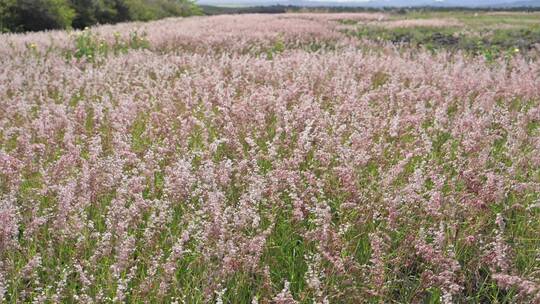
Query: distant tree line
(36, 15)
(279, 9)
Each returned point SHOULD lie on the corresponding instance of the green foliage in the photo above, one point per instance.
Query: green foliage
(91, 47)
(277, 47)
(88, 45)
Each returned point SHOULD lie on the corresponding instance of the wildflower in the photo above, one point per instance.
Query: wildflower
(284, 297)
(3, 287)
(219, 295)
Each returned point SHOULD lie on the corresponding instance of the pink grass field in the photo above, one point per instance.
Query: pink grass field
(264, 159)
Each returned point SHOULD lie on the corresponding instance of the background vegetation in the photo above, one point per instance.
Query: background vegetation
(35, 15)
(420, 10)
(490, 34)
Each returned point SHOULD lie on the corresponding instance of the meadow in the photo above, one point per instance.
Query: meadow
(288, 158)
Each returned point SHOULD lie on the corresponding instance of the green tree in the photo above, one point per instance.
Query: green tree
(86, 12)
(149, 10)
(36, 15)
(90, 12)
(5, 22)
